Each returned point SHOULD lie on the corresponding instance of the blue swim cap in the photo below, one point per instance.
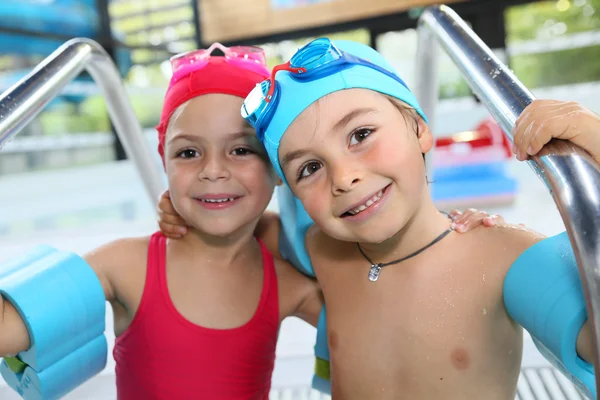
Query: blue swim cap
(296, 95)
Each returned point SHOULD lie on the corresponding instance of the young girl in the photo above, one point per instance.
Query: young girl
(198, 318)
(426, 315)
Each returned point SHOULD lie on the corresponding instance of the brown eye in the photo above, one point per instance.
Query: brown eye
(241, 151)
(308, 169)
(188, 153)
(359, 135)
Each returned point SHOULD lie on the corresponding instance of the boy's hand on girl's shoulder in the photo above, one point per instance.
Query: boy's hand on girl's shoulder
(169, 222)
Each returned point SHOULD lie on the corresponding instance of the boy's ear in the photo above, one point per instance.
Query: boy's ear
(425, 136)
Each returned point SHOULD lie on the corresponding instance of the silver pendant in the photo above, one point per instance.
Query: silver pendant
(374, 272)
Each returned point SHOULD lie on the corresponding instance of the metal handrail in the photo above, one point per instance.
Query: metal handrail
(570, 174)
(26, 99)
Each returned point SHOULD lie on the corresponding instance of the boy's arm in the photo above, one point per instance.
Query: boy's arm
(544, 120)
(267, 230)
(543, 293)
(169, 222)
(526, 241)
(585, 345)
(300, 296)
(311, 301)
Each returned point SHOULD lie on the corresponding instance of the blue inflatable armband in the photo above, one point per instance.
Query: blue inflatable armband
(63, 306)
(543, 293)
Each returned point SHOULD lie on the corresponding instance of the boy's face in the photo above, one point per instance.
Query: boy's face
(356, 165)
(219, 176)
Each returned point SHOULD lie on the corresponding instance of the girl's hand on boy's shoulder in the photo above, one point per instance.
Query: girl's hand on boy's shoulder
(472, 218)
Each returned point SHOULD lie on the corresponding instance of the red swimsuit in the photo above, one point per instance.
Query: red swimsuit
(164, 356)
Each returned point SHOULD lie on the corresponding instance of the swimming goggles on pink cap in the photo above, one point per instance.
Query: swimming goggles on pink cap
(315, 60)
(248, 57)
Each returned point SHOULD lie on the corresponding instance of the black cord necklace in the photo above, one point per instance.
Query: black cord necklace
(376, 267)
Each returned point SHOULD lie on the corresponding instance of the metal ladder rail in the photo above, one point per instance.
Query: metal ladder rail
(26, 99)
(571, 175)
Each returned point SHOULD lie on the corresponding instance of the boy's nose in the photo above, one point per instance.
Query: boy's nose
(344, 180)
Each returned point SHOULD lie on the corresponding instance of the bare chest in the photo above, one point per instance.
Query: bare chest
(418, 329)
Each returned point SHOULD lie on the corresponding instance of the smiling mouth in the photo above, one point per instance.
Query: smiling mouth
(218, 200)
(365, 206)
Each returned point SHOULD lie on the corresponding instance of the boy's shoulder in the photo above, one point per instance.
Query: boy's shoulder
(504, 243)
(517, 237)
(267, 230)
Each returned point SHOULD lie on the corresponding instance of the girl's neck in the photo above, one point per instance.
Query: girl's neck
(228, 250)
(422, 227)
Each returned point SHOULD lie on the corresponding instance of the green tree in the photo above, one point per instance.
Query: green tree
(530, 21)
(547, 21)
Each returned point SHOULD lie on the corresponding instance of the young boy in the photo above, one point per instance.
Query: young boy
(413, 310)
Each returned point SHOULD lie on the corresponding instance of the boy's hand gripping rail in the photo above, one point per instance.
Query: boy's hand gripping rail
(62, 303)
(570, 174)
(24, 100)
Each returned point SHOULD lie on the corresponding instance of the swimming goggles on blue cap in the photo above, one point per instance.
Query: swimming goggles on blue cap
(317, 59)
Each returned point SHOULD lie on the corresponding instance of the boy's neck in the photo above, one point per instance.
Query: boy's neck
(226, 249)
(423, 226)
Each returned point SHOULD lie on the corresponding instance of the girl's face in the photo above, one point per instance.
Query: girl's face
(219, 177)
